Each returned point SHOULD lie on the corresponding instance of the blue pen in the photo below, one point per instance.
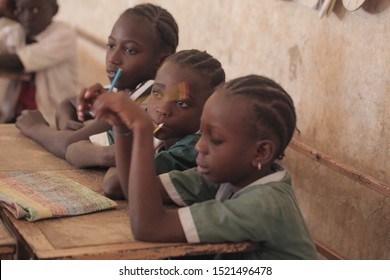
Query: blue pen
(117, 75)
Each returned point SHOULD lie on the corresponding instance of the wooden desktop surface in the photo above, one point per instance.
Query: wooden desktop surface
(101, 235)
(7, 243)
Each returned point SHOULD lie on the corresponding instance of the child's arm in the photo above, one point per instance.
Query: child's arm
(150, 220)
(85, 154)
(11, 63)
(73, 111)
(66, 115)
(33, 125)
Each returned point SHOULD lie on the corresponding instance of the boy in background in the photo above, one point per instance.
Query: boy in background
(41, 64)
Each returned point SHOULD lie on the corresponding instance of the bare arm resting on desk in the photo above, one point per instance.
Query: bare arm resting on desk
(85, 154)
(33, 125)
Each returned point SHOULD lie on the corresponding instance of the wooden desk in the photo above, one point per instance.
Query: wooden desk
(7, 244)
(102, 235)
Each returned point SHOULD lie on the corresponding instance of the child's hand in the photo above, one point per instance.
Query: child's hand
(70, 125)
(86, 99)
(119, 110)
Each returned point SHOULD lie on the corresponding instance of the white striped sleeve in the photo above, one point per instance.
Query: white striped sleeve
(171, 190)
(187, 222)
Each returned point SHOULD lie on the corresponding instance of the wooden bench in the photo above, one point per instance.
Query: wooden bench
(325, 252)
(7, 244)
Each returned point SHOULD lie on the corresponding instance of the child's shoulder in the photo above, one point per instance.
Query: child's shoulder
(189, 140)
(275, 184)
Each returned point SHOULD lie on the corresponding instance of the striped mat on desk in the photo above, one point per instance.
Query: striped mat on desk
(36, 195)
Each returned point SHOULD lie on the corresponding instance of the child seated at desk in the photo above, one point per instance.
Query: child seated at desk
(43, 67)
(8, 39)
(141, 38)
(238, 192)
(182, 85)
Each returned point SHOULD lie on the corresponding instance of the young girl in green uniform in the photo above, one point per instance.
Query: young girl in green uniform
(238, 191)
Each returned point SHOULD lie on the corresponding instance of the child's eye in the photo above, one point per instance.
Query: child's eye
(182, 104)
(35, 10)
(110, 46)
(157, 94)
(216, 141)
(130, 51)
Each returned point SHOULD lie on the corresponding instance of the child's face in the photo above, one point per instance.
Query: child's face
(226, 150)
(133, 47)
(180, 117)
(35, 15)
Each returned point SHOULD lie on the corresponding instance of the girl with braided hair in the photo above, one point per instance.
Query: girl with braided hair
(140, 40)
(182, 85)
(237, 192)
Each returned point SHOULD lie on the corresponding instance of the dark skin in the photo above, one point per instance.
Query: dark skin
(133, 46)
(7, 9)
(224, 137)
(35, 16)
(180, 117)
(123, 44)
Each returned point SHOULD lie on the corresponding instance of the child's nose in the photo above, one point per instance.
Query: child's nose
(200, 146)
(164, 108)
(114, 56)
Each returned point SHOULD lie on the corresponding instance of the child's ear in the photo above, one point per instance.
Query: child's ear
(265, 152)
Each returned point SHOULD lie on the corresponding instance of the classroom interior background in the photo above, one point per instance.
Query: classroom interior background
(337, 70)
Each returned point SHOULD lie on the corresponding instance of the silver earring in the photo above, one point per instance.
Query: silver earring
(259, 166)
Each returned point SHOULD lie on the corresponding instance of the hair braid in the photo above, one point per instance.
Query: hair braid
(162, 20)
(272, 107)
(203, 64)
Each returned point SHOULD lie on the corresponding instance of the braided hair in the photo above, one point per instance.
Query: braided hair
(201, 63)
(272, 107)
(163, 22)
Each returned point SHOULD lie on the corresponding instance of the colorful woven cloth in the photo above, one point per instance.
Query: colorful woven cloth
(40, 195)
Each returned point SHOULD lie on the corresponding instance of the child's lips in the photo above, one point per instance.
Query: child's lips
(202, 168)
(111, 74)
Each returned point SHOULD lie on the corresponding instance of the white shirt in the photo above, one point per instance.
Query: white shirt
(54, 60)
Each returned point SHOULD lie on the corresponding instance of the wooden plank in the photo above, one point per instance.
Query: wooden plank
(327, 252)
(21, 153)
(341, 168)
(137, 250)
(7, 244)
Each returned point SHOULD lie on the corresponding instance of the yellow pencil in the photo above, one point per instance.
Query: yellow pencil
(157, 128)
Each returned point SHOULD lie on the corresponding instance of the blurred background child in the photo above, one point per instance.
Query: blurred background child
(44, 63)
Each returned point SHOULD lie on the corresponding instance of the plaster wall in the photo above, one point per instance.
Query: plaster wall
(336, 69)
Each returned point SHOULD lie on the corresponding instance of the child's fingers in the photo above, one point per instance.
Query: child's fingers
(94, 91)
(118, 108)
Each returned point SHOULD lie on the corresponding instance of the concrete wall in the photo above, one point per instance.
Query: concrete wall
(337, 70)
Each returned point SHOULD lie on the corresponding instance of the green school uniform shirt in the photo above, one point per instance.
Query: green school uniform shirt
(266, 211)
(180, 156)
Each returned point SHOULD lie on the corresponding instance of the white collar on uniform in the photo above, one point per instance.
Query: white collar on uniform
(225, 191)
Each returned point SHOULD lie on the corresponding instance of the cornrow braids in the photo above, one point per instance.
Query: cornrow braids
(164, 23)
(272, 107)
(203, 64)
